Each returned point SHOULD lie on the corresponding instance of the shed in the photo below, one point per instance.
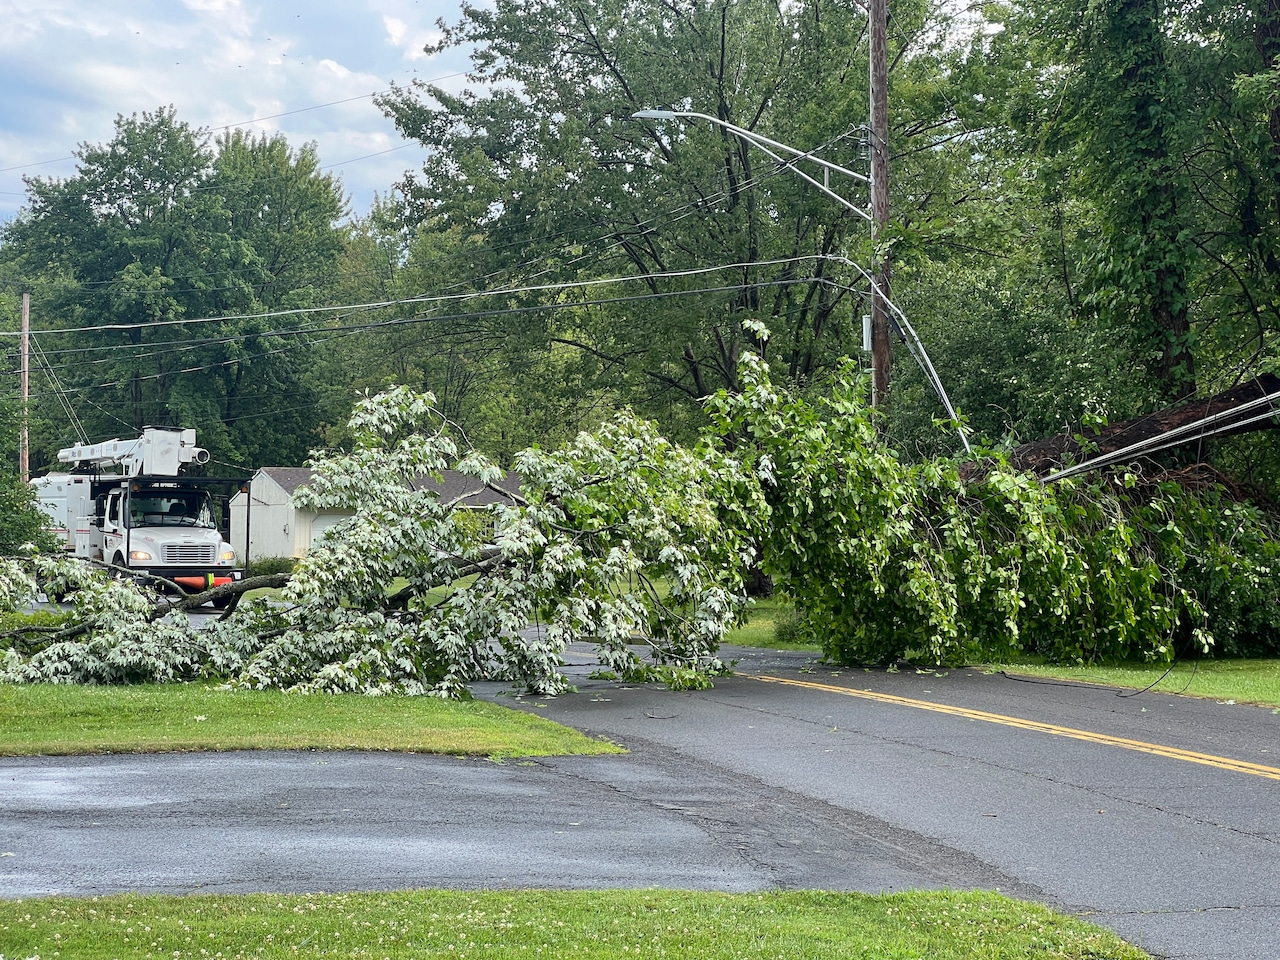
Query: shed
(274, 527)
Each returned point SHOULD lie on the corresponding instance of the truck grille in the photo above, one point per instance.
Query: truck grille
(188, 553)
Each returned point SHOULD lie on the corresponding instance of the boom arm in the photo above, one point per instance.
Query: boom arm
(160, 451)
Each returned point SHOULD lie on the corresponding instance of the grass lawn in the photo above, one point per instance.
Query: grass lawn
(761, 628)
(578, 924)
(68, 719)
(1242, 681)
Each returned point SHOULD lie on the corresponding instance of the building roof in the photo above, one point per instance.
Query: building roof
(289, 478)
(468, 491)
(452, 487)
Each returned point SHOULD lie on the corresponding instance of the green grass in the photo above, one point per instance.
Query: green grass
(761, 629)
(68, 719)
(509, 924)
(17, 620)
(1244, 681)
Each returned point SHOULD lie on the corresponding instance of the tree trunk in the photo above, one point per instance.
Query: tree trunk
(1044, 456)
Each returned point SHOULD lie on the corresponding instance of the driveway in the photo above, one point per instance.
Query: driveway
(1153, 815)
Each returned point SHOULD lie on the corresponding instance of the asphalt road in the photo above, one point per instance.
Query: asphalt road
(845, 780)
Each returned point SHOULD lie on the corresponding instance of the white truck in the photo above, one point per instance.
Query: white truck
(144, 515)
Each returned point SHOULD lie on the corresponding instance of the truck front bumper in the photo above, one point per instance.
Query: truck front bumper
(196, 581)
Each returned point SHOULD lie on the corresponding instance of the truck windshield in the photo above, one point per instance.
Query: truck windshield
(171, 508)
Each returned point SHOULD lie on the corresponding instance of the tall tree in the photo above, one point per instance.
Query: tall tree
(1159, 117)
(160, 256)
(547, 167)
(1130, 129)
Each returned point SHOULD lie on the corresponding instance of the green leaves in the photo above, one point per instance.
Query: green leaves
(156, 237)
(887, 559)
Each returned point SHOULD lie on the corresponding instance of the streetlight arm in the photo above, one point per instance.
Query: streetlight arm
(759, 139)
(759, 143)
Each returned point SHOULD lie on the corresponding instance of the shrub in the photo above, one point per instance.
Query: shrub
(789, 629)
(265, 566)
(21, 522)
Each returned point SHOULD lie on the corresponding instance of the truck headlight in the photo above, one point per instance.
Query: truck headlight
(227, 556)
(139, 555)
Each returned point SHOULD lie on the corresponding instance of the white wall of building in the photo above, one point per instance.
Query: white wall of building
(275, 527)
(265, 517)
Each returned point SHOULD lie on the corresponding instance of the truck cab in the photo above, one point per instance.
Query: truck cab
(164, 527)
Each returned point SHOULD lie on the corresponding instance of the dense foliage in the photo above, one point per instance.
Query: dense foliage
(21, 523)
(887, 558)
(1084, 205)
(614, 259)
(1154, 130)
(161, 261)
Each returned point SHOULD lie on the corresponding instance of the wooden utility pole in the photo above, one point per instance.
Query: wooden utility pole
(881, 361)
(24, 439)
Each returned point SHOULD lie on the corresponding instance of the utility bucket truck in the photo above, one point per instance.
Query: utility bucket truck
(142, 515)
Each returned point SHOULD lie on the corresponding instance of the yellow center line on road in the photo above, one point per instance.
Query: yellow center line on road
(1208, 759)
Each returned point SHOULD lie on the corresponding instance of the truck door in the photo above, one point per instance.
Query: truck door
(113, 527)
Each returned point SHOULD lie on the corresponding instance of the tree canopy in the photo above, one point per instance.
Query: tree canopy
(156, 269)
(546, 169)
(1078, 192)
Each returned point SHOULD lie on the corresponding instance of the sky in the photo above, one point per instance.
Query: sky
(306, 69)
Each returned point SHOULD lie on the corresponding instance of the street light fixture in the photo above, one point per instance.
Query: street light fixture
(897, 317)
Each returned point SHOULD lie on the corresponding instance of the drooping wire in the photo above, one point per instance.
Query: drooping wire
(63, 400)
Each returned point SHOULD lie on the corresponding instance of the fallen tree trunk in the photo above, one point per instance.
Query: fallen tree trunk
(1241, 409)
(231, 591)
(165, 605)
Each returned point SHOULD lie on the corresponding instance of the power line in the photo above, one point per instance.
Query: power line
(340, 332)
(440, 298)
(351, 329)
(335, 392)
(36, 163)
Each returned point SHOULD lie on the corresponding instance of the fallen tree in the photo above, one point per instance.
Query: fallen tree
(622, 539)
(640, 547)
(887, 558)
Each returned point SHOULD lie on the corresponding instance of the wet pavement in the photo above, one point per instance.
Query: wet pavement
(832, 779)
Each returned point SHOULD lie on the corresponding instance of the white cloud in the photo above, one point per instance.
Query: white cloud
(410, 41)
(397, 30)
(69, 67)
(227, 14)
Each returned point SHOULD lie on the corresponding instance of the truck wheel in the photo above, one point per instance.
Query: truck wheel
(50, 594)
(222, 602)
